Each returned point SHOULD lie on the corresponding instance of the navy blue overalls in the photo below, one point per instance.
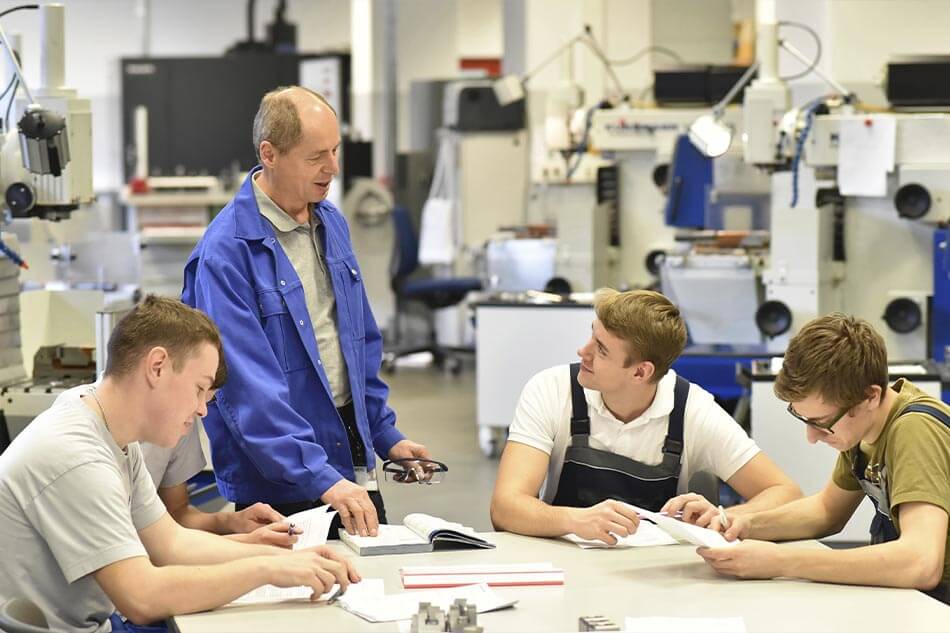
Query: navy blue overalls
(590, 475)
(873, 482)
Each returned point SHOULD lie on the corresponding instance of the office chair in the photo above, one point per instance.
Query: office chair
(19, 615)
(433, 292)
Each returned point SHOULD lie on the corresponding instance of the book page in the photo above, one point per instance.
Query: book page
(315, 524)
(424, 525)
(388, 536)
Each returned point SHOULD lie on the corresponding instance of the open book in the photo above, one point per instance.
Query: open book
(418, 533)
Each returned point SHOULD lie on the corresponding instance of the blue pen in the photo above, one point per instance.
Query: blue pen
(291, 530)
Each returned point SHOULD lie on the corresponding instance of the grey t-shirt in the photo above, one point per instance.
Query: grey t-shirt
(302, 246)
(71, 503)
(169, 467)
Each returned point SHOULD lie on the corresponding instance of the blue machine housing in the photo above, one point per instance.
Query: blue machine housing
(940, 306)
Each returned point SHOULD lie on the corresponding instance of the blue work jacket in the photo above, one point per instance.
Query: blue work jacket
(275, 433)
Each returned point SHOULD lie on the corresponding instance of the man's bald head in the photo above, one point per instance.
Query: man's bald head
(278, 117)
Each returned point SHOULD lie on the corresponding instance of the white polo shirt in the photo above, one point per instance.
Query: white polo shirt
(713, 441)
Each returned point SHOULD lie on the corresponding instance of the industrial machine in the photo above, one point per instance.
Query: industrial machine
(46, 173)
(856, 203)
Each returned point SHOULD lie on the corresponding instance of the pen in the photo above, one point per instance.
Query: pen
(291, 530)
(723, 518)
(336, 595)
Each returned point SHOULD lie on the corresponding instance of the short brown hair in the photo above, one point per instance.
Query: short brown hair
(277, 119)
(647, 321)
(162, 322)
(837, 357)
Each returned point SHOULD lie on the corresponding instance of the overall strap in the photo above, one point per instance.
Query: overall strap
(673, 445)
(580, 420)
(858, 461)
(926, 409)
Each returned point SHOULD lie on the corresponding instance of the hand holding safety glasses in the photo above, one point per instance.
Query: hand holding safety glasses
(414, 470)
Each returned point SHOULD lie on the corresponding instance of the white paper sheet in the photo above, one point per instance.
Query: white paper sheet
(269, 594)
(684, 625)
(866, 155)
(647, 535)
(704, 537)
(315, 524)
(402, 606)
(494, 575)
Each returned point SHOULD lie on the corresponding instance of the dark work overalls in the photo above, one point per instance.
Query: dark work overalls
(874, 484)
(590, 476)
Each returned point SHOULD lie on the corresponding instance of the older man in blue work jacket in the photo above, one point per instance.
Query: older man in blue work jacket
(303, 411)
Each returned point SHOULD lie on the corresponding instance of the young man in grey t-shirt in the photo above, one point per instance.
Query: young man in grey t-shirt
(82, 531)
(171, 468)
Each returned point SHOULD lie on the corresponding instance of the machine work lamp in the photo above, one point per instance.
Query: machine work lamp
(712, 136)
(510, 88)
(44, 143)
(709, 133)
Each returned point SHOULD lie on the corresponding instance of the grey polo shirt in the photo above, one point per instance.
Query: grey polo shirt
(71, 503)
(170, 467)
(302, 245)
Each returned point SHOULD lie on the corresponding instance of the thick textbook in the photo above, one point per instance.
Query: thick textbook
(418, 533)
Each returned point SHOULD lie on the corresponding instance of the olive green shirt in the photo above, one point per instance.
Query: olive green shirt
(915, 448)
(302, 245)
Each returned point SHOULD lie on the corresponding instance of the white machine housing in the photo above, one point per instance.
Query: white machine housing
(887, 256)
(74, 187)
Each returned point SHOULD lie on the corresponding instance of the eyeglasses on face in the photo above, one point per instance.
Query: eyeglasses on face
(817, 422)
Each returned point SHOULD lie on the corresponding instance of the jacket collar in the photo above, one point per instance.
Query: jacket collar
(249, 224)
(248, 221)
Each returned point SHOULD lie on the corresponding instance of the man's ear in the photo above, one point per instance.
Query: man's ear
(875, 394)
(157, 363)
(268, 153)
(645, 370)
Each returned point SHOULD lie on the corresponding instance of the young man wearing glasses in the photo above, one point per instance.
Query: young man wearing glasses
(894, 444)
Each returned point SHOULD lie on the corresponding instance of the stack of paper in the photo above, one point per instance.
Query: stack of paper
(513, 575)
(647, 535)
(368, 601)
(315, 524)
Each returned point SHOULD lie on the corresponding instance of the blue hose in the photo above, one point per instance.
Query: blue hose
(800, 145)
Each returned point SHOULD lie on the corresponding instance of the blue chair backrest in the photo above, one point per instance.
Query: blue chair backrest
(691, 176)
(405, 244)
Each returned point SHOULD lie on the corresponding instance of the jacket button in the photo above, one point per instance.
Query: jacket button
(320, 362)
(283, 283)
(353, 270)
(272, 240)
(300, 322)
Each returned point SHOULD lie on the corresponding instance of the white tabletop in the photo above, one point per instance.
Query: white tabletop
(656, 581)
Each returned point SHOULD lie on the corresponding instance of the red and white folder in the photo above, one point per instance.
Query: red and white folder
(499, 575)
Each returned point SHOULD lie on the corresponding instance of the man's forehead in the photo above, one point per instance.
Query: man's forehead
(813, 406)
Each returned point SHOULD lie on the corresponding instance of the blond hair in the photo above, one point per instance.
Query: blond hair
(837, 357)
(278, 120)
(649, 324)
(162, 322)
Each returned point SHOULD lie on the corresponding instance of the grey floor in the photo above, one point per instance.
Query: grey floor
(438, 410)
